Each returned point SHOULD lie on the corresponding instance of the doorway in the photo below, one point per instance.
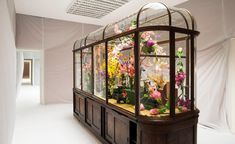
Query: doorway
(29, 76)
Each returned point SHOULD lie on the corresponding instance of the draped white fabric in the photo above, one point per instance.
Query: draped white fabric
(215, 20)
(19, 71)
(7, 71)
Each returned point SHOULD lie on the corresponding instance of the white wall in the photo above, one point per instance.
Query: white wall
(55, 38)
(7, 71)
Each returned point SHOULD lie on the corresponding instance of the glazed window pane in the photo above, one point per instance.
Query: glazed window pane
(124, 25)
(95, 36)
(99, 70)
(154, 74)
(182, 73)
(87, 70)
(121, 73)
(153, 14)
(78, 69)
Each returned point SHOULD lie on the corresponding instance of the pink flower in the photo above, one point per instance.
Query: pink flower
(142, 107)
(122, 69)
(116, 29)
(132, 60)
(131, 70)
(155, 95)
(147, 34)
(179, 78)
(184, 109)
(154, 111)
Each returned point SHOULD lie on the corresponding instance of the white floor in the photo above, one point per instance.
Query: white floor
(55, 124)
(47, 124)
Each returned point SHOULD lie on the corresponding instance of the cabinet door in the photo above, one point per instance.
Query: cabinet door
(77, 107)
(93, 115)
(117, 128)
(80, 106)
(109, 125)
(96, 117)
(89, 111)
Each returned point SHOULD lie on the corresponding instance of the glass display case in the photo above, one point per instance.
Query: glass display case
(134, 80)
(142, 65)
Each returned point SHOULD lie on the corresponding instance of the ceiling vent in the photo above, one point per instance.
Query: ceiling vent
(94, 8)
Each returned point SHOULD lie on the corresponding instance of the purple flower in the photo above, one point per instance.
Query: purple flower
(150, 43)
(179, 78)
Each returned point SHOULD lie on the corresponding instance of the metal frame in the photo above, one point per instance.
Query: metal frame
(191, 34)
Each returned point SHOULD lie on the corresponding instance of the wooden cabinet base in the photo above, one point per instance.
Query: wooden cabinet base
(175, 131)
(113, 127)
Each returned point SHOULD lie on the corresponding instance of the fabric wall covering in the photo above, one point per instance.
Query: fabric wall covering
(7, 70)
(215, 21)
(55, 38)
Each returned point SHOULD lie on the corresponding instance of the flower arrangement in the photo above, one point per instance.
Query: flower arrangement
(182, 101)
(154, 96)
(121, 69)
(148, 45)
(87, 68)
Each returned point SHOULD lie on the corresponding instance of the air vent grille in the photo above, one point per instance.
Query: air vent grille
(94, 8)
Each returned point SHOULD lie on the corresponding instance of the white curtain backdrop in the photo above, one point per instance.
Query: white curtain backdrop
(215, 20)
(19, 71)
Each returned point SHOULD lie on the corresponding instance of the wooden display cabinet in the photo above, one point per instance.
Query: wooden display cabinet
(134, 80)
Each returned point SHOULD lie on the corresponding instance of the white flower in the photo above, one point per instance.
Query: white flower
(180, 49)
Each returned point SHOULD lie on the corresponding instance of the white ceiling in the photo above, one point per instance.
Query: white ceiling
(57, 9)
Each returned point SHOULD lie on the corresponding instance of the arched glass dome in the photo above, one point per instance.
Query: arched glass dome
(124, 25)
(95, 36)
(158, 14)
(152, 14)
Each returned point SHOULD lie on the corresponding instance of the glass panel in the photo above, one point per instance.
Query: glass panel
(78, 69)
(99, 71)
(180, 18)
(77, 44)
(123, 25)
(80, 43)
(121, 73)
(155, 74)
(95, 36)
(153, 14)
(87, 70)
(182, 75)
